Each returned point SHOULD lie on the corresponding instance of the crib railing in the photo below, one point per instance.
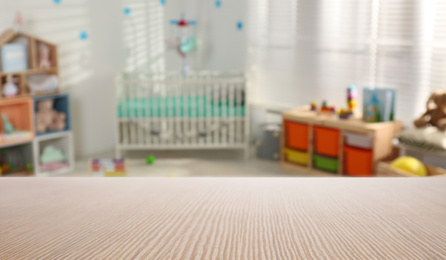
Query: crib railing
(203, 110)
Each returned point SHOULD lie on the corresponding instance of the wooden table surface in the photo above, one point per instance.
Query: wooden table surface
(222, 218)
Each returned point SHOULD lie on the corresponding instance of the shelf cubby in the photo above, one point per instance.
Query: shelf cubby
(61, 104)
(19, 113)
(16, 160)
(60, 144)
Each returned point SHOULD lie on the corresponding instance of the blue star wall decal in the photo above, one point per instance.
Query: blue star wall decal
(83, 35)
(239, 25)
(127, 11)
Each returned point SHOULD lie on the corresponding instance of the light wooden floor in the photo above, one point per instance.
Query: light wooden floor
(195, 164)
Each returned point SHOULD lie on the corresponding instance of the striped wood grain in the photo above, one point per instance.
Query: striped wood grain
(222, 218)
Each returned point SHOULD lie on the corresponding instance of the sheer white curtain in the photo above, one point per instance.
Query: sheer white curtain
(310, 50)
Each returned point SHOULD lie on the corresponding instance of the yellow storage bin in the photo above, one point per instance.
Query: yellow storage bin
(296, 156)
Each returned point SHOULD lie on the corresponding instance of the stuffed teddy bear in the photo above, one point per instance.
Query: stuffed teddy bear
(47, 118)
(435, 114)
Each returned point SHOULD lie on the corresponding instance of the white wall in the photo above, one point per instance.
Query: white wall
(90, 81)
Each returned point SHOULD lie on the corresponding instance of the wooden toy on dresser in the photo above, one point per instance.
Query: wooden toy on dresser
(329, 146)
(34, 117)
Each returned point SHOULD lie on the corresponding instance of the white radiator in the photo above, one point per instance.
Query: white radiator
(203, 110)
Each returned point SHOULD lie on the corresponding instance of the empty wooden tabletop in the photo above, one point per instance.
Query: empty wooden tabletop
(222, 218)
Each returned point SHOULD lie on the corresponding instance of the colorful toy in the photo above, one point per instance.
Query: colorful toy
(10, 89)
(435, 114)
(313, 106)
(47, 118)
(150, 159)
(183, 42)
(7, 126)
(352, 98)
(15, 159)
(326, 109)
(344, 113)
(410, 165)
(107, 167)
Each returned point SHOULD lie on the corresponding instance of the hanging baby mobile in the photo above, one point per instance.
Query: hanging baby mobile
(184, 42)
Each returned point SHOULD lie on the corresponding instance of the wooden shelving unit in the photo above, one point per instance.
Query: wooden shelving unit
(21, 110)
(381, 145)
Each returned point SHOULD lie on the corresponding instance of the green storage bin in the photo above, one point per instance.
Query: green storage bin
(326, 163)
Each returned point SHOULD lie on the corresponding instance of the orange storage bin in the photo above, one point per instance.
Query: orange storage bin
(296, 135)
(358, 162)
(326, 141)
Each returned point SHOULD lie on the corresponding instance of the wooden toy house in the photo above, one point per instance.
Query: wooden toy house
(40, 73)
(329, 146)
(28, 74)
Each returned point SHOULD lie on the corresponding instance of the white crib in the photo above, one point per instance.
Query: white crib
(166, 111)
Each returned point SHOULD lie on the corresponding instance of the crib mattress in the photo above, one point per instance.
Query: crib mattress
(222, 218)
(191, 107)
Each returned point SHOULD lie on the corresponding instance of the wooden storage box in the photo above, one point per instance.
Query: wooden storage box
(358, 162)
(385, 170)
(298, 157)
(296, 135)
(326, 141)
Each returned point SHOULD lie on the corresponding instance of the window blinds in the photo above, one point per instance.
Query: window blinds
(305, 50)
(143, 32)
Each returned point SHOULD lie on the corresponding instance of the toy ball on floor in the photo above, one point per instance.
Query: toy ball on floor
(150, 159)
(410, 165)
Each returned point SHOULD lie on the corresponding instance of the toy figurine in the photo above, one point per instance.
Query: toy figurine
(435, 114)
(326, 109)
(44, 56)
(47, 118)
(7, 126)
(344, 113)
(10, 89)
(313, 106)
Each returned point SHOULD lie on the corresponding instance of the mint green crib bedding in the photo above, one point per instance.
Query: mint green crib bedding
(189, 107)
